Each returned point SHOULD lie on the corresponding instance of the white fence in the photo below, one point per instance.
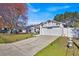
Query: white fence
(58, 32)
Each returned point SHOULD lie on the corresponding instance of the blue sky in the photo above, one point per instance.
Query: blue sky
(40, 12)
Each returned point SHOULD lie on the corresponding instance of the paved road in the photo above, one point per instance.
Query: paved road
(27, 47)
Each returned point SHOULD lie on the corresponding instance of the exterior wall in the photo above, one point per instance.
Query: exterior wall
(68, 32)
(57, 31)
(35, 30)
(50, 24)
(32, 30)
(45, 31)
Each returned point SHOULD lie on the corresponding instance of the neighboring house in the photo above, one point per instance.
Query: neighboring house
(72, 22)
(35, 29)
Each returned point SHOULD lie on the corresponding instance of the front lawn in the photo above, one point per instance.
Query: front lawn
(8, 38)
(58, 48)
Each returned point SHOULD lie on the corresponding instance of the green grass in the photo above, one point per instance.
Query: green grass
(8, 38)
(57, 48)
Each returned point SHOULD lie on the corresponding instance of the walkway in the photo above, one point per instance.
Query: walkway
(28, 47)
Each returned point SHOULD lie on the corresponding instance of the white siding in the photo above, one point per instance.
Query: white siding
(57, 31)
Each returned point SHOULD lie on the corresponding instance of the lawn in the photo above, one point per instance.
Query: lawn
(8, 38)
(58, 48)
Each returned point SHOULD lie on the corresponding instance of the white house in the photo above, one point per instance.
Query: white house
(56, 29)
(53, 28)
(51, 23)
(35, 29)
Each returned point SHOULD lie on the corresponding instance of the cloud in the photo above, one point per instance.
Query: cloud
(35, 10)
(32, 9)
(58, 8)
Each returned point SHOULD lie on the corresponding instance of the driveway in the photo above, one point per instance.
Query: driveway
(27, 47)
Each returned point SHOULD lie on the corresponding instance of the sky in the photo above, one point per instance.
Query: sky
(41, 12)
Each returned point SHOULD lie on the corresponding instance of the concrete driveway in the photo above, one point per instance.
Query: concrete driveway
(28, 47)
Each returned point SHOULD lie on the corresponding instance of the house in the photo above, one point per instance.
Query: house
(55, 28)
(51, 28)
(52, 24)
(35, 29)
(64, 28)
(38, 28)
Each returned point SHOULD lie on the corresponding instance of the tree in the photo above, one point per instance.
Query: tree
(59, 17)
(11, 13)
(71, 18)
(64, 16)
